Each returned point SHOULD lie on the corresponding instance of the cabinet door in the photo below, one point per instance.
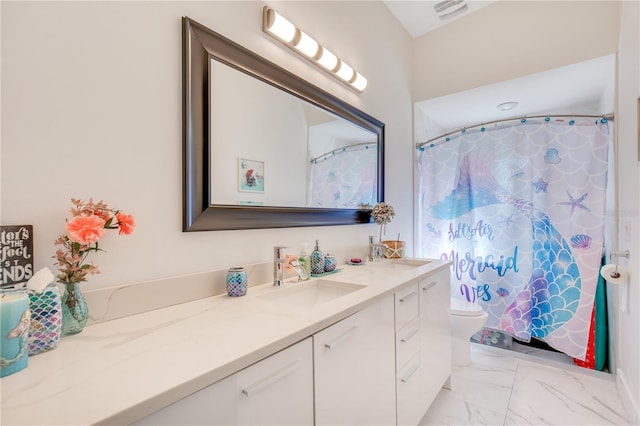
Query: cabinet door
(354, 368)
(406, 305)
(275, 391)
(279, 389)
(435, 325)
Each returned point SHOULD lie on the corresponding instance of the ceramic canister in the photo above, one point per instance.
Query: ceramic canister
(330, 263)
(236, 282)
(15, 319)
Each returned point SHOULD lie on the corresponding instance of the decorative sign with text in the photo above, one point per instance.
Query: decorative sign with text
(16, 254)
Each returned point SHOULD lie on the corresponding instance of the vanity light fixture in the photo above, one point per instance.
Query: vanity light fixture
(285, 32)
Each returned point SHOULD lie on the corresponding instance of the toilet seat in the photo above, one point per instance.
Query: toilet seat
(465, 309)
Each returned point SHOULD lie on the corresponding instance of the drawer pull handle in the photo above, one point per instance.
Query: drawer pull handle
(409, 296)
(409, 373)
(409, 335)
(428, 286)
(344, 336)
(270, 379)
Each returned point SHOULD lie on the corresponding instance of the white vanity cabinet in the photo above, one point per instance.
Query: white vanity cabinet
(423, 345)
(435, 349)
(275, 391)
(383, 365)
(354, 368)
(409, 333)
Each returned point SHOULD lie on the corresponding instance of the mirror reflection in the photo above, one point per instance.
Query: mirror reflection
(270, 148)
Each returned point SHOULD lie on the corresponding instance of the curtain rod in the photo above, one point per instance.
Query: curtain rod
(343, 148)
(608, 117)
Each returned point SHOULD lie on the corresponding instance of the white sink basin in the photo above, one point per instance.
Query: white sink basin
(402, 264)
(311, 294)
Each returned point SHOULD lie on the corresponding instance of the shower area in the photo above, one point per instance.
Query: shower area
(515, 186)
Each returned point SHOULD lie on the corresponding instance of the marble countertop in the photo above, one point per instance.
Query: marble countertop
(119, 371)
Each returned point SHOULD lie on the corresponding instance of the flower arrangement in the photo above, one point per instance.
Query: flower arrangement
(382, 214)
(84, 229)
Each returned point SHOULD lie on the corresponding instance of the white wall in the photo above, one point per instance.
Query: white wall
(510, 39)
(91, 107)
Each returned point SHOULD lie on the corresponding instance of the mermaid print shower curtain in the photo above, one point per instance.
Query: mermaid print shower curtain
(345, 178)
(519, 211)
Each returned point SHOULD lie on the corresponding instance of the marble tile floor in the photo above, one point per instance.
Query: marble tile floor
(503, 387)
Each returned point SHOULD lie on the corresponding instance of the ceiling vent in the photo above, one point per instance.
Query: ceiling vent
(447, 9)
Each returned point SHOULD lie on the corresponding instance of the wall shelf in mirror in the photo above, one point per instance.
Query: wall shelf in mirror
(291, 194)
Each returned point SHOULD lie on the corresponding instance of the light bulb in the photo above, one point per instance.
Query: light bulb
(328, 60)
(345, 72)
(306, 45)
(360, 82)
(280, 27)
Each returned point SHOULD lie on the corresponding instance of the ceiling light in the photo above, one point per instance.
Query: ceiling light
(285, 32)
(507, 106)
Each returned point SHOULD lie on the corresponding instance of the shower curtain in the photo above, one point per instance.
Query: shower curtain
(346, 177)
(519, 210)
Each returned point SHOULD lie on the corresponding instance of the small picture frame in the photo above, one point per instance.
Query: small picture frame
(250, 175)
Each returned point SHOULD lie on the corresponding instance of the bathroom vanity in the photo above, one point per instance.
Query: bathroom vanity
(370, 344)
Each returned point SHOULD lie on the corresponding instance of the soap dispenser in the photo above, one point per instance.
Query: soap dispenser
(305, 259)
(317, 261)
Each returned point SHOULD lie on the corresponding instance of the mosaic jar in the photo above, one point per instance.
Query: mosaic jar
(236, 282)
(330, 263)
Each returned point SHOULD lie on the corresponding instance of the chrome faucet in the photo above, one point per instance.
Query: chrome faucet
(278, 265)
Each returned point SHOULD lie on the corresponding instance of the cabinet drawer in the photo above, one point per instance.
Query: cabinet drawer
(275, 391)
(411, 407)
(407, 305)
(407, 342)
(354, 372)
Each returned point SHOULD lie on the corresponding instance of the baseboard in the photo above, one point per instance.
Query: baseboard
(629, 403)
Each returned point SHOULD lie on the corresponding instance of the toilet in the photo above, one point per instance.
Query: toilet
(466, 319)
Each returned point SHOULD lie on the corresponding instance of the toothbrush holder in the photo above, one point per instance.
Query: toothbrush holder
(236, 282)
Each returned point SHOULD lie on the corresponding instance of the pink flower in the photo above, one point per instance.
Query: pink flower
(85, 229)
(126, 223)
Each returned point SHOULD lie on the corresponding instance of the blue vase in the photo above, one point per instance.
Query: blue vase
(236, 282)
(75, 312)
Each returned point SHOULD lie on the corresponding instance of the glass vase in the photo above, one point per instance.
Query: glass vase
(74, 310)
